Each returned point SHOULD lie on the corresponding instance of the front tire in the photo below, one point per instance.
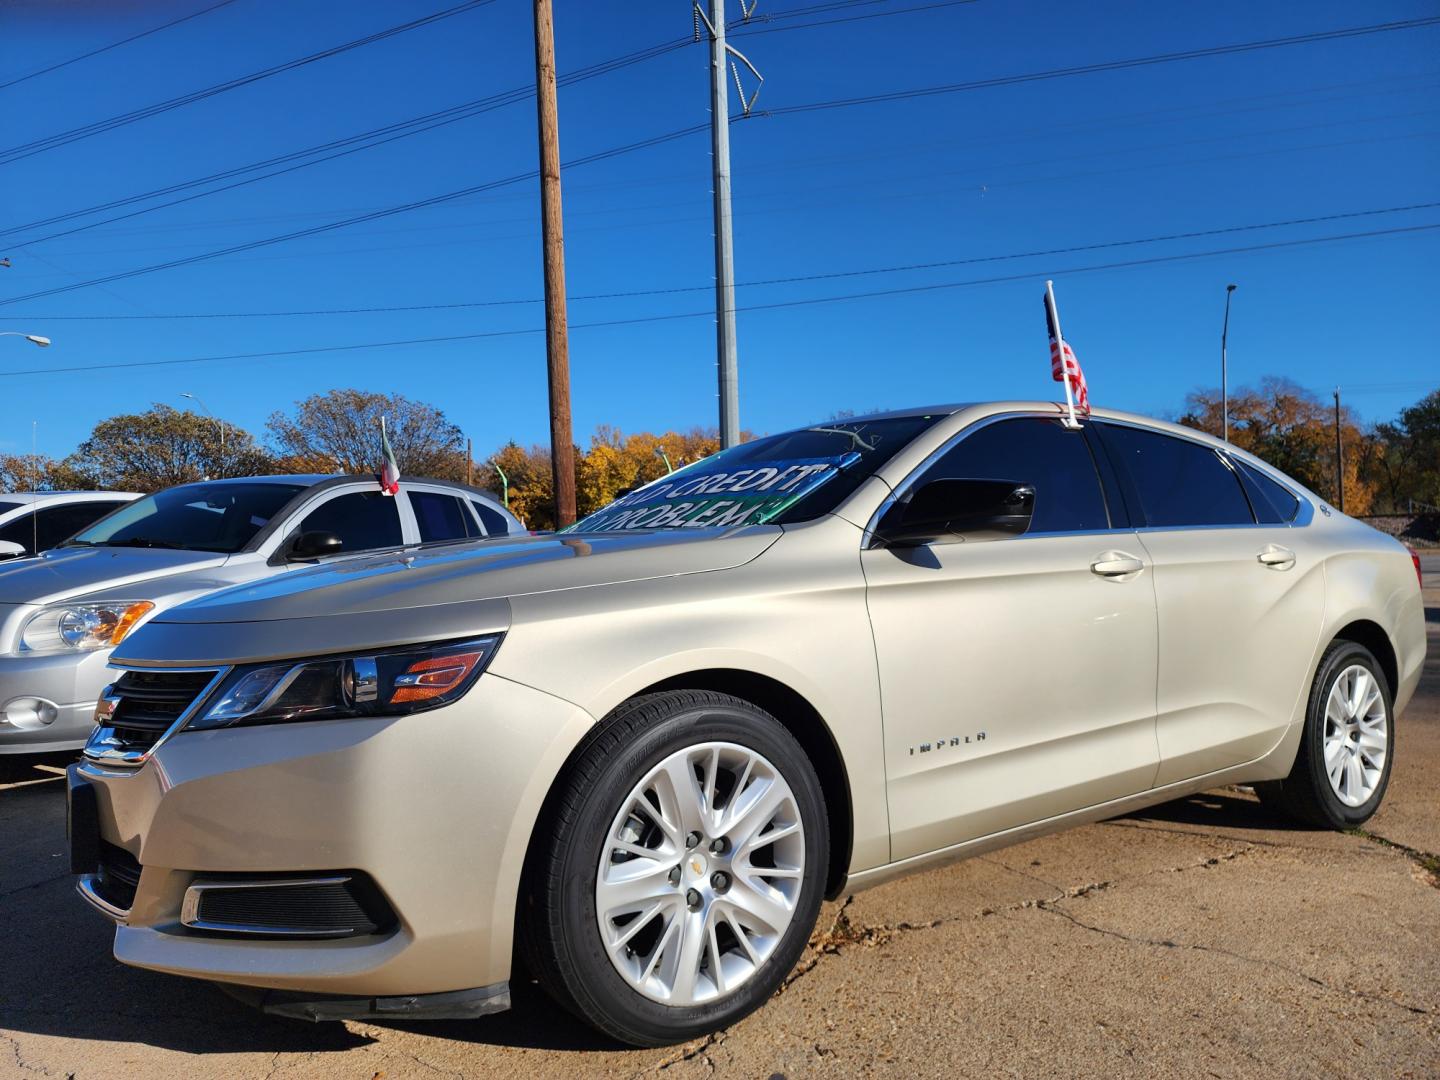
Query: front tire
(678, 870)
(1347, 749)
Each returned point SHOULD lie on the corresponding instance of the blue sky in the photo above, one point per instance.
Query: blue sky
(1277, 134)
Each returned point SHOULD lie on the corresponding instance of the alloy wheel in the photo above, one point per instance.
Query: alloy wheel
(1356, 735)
(700, 874)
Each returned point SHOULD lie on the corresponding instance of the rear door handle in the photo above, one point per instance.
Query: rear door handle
(1275, 557)
(1116, 564)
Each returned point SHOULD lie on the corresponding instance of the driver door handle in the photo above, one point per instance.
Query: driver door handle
(1275, 557)
(1116, 564)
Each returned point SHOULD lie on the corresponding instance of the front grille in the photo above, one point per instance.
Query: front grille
(118, 876)
(338, 906)
(147, 704)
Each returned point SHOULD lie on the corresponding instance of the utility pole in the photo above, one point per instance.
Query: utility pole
(1339, 459)
(469, 464)
(725, 353)
(1225, 368)
(557, 334)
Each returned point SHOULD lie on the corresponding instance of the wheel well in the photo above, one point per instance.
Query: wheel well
(1373, 637)
(804, 722)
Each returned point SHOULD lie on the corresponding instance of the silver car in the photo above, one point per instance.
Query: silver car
(61, 614)
(631, 759)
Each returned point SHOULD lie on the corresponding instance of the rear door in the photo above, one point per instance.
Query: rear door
(1239, 596)
(1017, 675)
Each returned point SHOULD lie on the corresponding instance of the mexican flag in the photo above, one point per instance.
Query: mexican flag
(390, 470)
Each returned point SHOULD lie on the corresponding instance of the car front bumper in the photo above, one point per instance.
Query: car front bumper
(435, 808)
(67, 683)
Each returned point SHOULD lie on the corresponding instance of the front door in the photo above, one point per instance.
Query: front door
(1017, 675)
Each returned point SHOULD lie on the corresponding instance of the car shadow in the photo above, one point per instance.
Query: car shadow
(58, 975)
(1219, 809)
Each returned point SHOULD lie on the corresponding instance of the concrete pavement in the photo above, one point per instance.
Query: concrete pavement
(1200, 938)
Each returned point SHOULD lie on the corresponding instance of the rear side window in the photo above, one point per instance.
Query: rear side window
(1036, 451)
(1274, 503)
(441, 517)
(1179, 482)
(496, 524)
(363, 520)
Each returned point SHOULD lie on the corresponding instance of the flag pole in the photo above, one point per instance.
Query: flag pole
(1064, 367)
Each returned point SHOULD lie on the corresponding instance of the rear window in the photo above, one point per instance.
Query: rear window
(1179, 482)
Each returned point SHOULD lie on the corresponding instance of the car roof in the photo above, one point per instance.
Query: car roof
(64, 496)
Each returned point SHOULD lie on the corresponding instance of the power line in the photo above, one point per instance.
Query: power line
(894, 96)
(315, 230)
(405, 128)
(791, 280)
(1109, 65)
(710, 314)
(51, 142)
(115, 44)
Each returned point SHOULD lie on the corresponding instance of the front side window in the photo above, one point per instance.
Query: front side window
(441, 517)
(780, 480)
(1179, 482)
(20, 531)
(59, 523)
(221, 517)
(1038, 452)
(363, 520)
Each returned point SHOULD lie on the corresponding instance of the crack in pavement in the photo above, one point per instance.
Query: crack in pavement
(1156, 943)
(35, 884)
(20, 1058)
(1427, 861)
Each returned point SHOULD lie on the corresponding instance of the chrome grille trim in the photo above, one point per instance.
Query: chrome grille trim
(105, 747)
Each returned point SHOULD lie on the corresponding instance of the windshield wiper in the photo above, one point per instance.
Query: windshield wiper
(145, 542)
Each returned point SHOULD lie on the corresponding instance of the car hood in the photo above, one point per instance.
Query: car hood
(69, 572)
(451, 591)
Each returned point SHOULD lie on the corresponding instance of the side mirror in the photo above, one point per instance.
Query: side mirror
(11, 550)
(952, 511)
(315, 545)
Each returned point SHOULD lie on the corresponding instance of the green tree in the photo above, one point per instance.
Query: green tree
(339, 431)
(1406, 460)
(161, 447)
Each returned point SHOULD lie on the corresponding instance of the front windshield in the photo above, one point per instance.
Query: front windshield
(221, 517)
(780, 479)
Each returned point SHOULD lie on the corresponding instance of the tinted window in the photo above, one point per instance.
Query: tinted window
(6, 507)
(441, 517)
(1179, 482)
(1035, 451)
(20, 531)
(1274, 503)
(200, 517)
(59, 523)
(362, 519)
(496, 523)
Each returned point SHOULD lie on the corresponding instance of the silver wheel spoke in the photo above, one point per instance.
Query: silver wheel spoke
(685, 923)
(1356, 735)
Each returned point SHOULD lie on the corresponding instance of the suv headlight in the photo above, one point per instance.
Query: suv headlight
(406, 680)
(83, 627)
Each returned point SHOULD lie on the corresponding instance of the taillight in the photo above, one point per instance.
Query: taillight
(1415, 558)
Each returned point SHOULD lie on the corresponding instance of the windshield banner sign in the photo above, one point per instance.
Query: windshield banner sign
(698, 498)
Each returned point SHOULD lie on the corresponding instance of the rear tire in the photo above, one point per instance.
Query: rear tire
(717, 923)
(1347, 747)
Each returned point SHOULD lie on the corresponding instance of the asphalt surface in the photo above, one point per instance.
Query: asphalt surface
(1200, 938)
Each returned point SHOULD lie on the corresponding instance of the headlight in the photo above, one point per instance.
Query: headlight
(83, 627)
(406, 680)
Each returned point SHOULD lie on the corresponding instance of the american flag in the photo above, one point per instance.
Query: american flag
(1059, 367)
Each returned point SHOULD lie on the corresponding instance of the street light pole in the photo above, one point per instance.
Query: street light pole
(34, 339)
(504, 482)
(1339, 459)
(1225, 368)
